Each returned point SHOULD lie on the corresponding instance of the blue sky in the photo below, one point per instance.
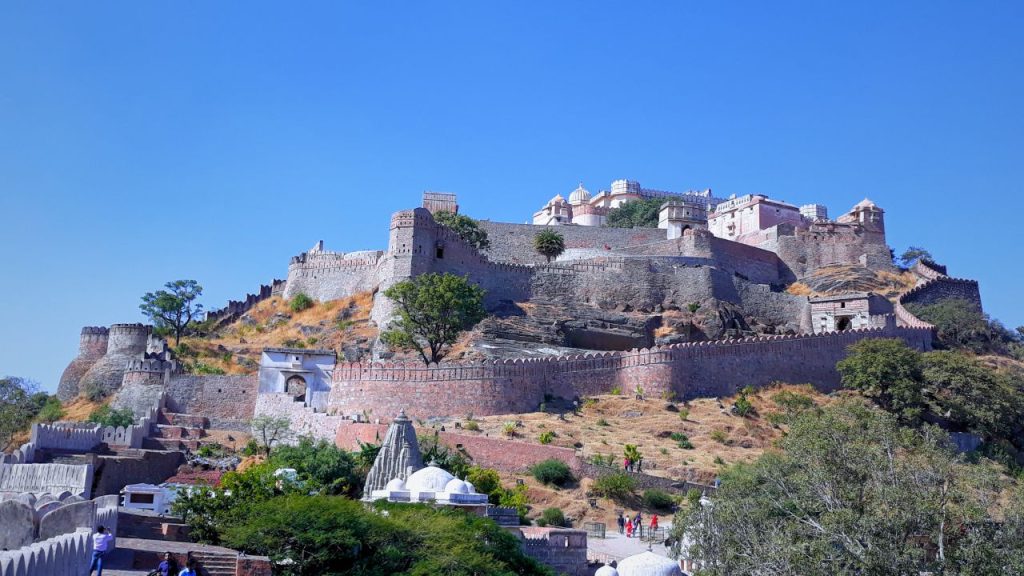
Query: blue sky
(142, 142)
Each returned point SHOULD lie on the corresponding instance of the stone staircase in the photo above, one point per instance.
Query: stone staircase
(216, 563)
(175, 431)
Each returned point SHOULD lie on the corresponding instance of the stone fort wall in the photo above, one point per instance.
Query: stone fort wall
(690, 370)
(332, 275)
(228, 401)
(513, 243)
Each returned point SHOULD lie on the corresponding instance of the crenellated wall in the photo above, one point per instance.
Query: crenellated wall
(332, 275)
(513, 243)
(236, 308)
(65, 555)
(700, 369)
(47, 478)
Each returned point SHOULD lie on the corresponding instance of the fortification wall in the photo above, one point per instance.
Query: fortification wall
(304, 421)
(513, 243)
(943, 288)
(65, 555)
(92, 346)
(228, 401)
(561, 549)
(700, 369)
(507, 455)
(804, 250)
(700, 248)
(331, 275)
(47, 478)
(236, 308)
(125, 342)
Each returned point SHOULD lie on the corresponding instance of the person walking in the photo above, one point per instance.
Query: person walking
(654, 523)
(629, 529)
(190, 568)
(638, 525)
(100, 546)
(625, 464)
(621, 522)
(168, 566)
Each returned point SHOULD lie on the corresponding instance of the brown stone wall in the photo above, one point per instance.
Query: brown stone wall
(508, 455)
(228, 401)
(691, 370)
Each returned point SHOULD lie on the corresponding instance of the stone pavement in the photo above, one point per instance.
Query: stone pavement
(616, 546)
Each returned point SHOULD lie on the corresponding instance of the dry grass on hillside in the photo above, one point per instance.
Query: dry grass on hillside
(236, 348)
(607, 423)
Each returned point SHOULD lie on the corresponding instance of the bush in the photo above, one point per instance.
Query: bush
(51, 411)
(685, 444)
(743, 406)
(300, 302)
(515, 498)
(602, 422)
(552, 517)
(552, 471)
(472, 426)
(94, 392)
(684, 413)
(486, 481)
(546, 437)
(678, 436)
(693, 497)
(617, 391)
(618, 486)
(719, 435)
(658, 499)
(106, 416)
(204, 368)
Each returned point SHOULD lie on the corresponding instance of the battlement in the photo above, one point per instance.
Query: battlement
(95, 331)
(236, 308)
(136, 328)
(153, 365)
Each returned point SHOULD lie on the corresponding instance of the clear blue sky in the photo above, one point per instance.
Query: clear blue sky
(142, 142)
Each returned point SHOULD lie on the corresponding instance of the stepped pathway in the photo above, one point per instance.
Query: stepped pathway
(174, 431)
(135, 556)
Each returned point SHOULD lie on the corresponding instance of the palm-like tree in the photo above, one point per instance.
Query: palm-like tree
(549, 244)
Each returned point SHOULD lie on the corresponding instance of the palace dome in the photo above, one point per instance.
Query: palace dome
(579, 195)
(395, 485)
(606, 570)
(649, 564)
(429, 479)
(457, 486)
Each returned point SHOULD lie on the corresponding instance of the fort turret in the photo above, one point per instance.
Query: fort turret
(92, 346)
(125, 342)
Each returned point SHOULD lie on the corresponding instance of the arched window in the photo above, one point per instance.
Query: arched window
(295, 387)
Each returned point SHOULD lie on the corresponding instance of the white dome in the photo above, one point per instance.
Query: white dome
(456, 486)
(579, 195)
(606, 570)
(649, 564)
(469, 485)
(395, 485)
(429, 479)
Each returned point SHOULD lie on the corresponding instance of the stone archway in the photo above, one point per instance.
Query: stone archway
(295, 386)
(844, 323)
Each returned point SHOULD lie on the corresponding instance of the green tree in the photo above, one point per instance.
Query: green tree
(851, 493)
(549, 244)
(322, 466)
(433, 309)
(552, 471)
(486, 481)
(270, 430)
(631, 452)
(912, 254)
(107, 416)
(641, 213)
(617, 486)
(51, 411)
(466, 228)
(886, 371)
(173, 309)
(960, 324)
(972, 396)
(19, 403)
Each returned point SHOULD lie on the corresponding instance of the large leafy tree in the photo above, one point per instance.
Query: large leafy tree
(467, 228)
(20, 401)
(969, 395)
(174, 308)
(888, 372)
(853, 493)
(549, 244)
(326, 468)
(914, 253)
(642, 213)
(433, 309)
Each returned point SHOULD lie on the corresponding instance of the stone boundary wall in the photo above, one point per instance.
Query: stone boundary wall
(24, 454)
(65, 555)
(228, 401)
(699, 369)
(77, 438)
(235, 308)
(331, 275)
(934, 286)
(644, 481)
(47, 478)
(562, 549)
(513, 243)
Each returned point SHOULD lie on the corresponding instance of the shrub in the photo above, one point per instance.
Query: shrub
(94, 392)
(617, 391)
(693, 497)
(300, 302)
(106, 416)
(719, 461)
(686, 444)
(472, 426)
(552, 517)
(719, 435)
(602, 422)
(552, 471)
(678, 436)
(658, 499)
(546, 437)
(515, 498)
(486, 481)
(51, 411)
(616, 486)
(743, 406)
(204, 368)
(693, 307)
(684, 413)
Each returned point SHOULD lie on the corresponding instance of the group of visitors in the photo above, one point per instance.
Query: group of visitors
(635, 525)
(632, 465)
(101, 546)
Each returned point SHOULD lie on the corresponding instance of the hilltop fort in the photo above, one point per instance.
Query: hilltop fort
(700, 306)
